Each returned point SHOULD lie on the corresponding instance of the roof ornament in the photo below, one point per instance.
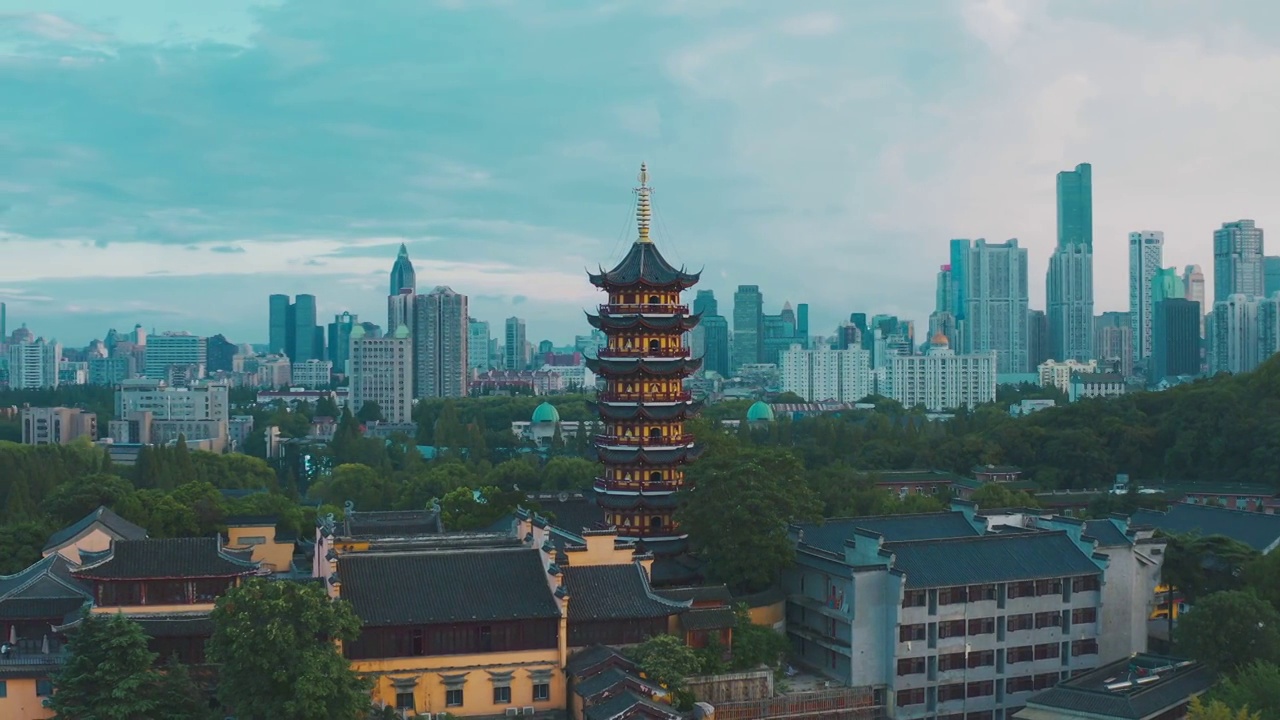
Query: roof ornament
(644, 212)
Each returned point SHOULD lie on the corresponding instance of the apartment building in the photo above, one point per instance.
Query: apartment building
(57, 425)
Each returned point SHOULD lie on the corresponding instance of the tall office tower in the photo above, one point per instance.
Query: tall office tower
(827, 374)
(219, 354)
(1270, 281)
(4, 324)
(715, 339)
(279, 335)
(1235, 346)
(1193, 286)
(1268, 327)
(802, 323)
(1037, 339)
(402, 275)
(1113, 342)
(33, 364)
(477, 345)
(440, 344)
(340, 341)
(175, 349)
(514, 354)
(996, 298)
(1070, 277)
(779, 334)
(382, 372)
(400, 309)
(748, 326)
(959, 282)
(1237, 261)
(1175, 333)
(944, 318)
(1146, 254)
(305, 330)
(704, 305)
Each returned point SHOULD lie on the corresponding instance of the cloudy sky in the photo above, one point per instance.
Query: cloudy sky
(172, 162)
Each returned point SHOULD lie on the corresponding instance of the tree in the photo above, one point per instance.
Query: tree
(995, 495)
(467, 509)
(178, 697)
(737, 512)
(1256, 687)
(666, 661)
(108, 673)
(260, 622)
(73, 500)
(369, 412)
(1215, 710)
(756, 645)
(1229, 630)
(358, 484)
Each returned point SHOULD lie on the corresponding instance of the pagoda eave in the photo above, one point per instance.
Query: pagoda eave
(640, 365)
(645, 411)
(682, 323)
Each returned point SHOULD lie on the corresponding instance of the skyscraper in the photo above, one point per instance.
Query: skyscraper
(477, 345)
(513, 353)
(943, 319)
(440, 344)
(402, 291)
(340, 341)
(1270, 282)
(382, 373)
(279, 336)
(1237, 261)
(1070, 277)
(996, 299)
(1175, 332)
(171, 349)
(1235, 345)
(306, 334)
(748, 326)
(1146, 253)
(33, 364)
(4, 324)
(402, 275)
(1113, 342)
(1193, 286)
(1037, 339)
(709, 339)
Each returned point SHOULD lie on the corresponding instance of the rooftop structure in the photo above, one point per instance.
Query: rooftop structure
(1260, 531)
(1138, 688)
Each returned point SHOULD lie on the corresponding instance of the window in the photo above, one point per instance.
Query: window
(1022, 589)
(915, 598)
(907, 633)
(44, 687)
(502, 696)
(982, 658)
(982, 592)
(951, 628)
(911, 697)
(982, 688)
(1020, 622)
(982, 626)
(980, 715)
(453, 697)
(954, 691)
(1084, 616)
(952, 596)
(1048, 619)
(1085, 584)
(404, 700)
(253, 540)
(911, 666)
(951, 661)
(1021, 654)
(1049, 587)
(4, 689)
(1044, 681)
(1047, 651)
(541, 692)
(1019, 684)
(1084, 647)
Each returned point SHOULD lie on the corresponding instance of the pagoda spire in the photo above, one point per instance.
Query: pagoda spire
(644, 211)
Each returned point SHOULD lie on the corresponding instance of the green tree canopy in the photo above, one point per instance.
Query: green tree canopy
(1229, 630)
(108, 673)
(1216, 710)
(1254, 687)
(666, 660)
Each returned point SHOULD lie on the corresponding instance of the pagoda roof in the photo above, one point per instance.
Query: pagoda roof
(45, 589)
(643, 411)
(680, 322)
(619, 367)
(644, 266)
(630, 502)
(114, 525)
(647, 456)
(168, 558)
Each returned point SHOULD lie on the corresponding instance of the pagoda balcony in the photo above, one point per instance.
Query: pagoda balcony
(645, 397)
(643, 309)
(644, 440)
(642, 353)
(637, 486)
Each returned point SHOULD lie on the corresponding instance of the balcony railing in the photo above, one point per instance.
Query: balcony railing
(645, 440)
(648, 397)
(642, 352)
(636, 485)
(644, 309)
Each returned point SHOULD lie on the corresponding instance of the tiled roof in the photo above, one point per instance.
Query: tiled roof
(670, 570)
(643, 265)
(990, 559)
(708, 619)
(574, 513)
(831, 534)
(1088, 694)
(590, 657)
(114, 524)
(392, 523)
(609, 679)
(169, 558)
(699, 594)
(614, 592)
(626, 704)
(424, 588)
(1106, 532)
(46, 589)
(1259, 531)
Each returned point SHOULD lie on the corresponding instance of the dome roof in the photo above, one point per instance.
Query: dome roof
(545, 413)
(402, 332)
(357, 332)
(759, 412)
(939, 340)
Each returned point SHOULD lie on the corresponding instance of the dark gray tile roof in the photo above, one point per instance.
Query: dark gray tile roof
(45, 590)
(1106, 532)
(168, 558)
(698, 594)
(114, 524)
(609, 679)
(990, 559)
(594, 656)
(708, 619)
(425, 588)
(1088, 694)
(1259, 531)
(628, 704)
(832, 533)
(614, 592)
(391, 523)
(575, 512)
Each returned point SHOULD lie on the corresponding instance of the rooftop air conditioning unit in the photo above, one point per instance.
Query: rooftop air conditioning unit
(512, 712)
(528, 709)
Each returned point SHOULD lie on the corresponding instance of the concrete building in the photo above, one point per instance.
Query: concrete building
(1175, 339)
(340, 341)
(1096, 385)
(941, 380)
(996, 298)
(382, 372)
(161, 413)
(311, 374)
(1235, 345)
(1146, 255)
(1238, 266)
(1193, 289)
(478, 346)
(440, 344)
(748, 327)
(174, 348)
(824, 374)
(1070, 278)
(1037, 339)
(1113, 342)
(57, 425)
(1058, 374)
(33, 364)
(514, 355)
(1270, 277)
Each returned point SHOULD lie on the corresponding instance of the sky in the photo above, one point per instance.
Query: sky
(174, 162)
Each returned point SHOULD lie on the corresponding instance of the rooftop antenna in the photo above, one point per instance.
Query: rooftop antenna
(644, 212)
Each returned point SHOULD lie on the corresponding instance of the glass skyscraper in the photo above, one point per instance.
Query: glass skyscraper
(1070, 278)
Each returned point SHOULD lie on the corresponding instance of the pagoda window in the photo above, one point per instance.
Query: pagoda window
(654, 300)
(655, 432)
(655, 522)
(655, 476)
(655, 345)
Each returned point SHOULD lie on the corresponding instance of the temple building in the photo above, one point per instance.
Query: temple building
(643, 445)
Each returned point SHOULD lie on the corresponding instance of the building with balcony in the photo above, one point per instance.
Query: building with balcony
(941, 380)
(57, 425)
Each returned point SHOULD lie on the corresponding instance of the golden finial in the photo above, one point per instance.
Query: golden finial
(643, 209)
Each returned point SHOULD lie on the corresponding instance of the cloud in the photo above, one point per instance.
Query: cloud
(812, 25)
(220, 248)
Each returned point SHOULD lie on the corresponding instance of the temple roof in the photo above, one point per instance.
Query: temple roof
(708, 619)
(645, 411)
(169, 558)
(391, 523)
(648, 456)
(644, 266)
(111, 523)
(627, 705)
(683, 323)
(629, 502)
(46, 589)
(622, 367)
(615, 592)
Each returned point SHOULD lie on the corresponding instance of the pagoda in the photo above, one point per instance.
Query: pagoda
(643, 405)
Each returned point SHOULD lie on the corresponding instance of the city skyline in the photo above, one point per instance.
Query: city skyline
(135, 199)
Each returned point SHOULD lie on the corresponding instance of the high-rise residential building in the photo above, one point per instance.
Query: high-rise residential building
(941, 380)
(4, 323)
(1268, 326)
(944, 318)
(802, 323)
(478, 345)
(440, 344)
(945, 294)
(175, 349)
(340, 341)
(959, 280)
(748, 327)
(780, 333)
(1070, 278)
(219, 354)
(312, 374)
(402, 274)
(1270, 280)
(514, 355)
(382, 373)
(33, 364)
(1235, 345)
(400, 309)
(827, 374)
(1193, 286)
(1175, 349)
(1238, 261)
(996, 299)
(1113, 342)
(1146, 254)
(1037, 339)
(280, 335)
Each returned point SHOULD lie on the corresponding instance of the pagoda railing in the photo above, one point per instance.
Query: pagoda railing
(643, 353)
(645, 440)
(643, 309)
(602, 485)
(647, 397)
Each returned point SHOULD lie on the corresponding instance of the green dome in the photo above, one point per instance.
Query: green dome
(759, 412)
(546, 413)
